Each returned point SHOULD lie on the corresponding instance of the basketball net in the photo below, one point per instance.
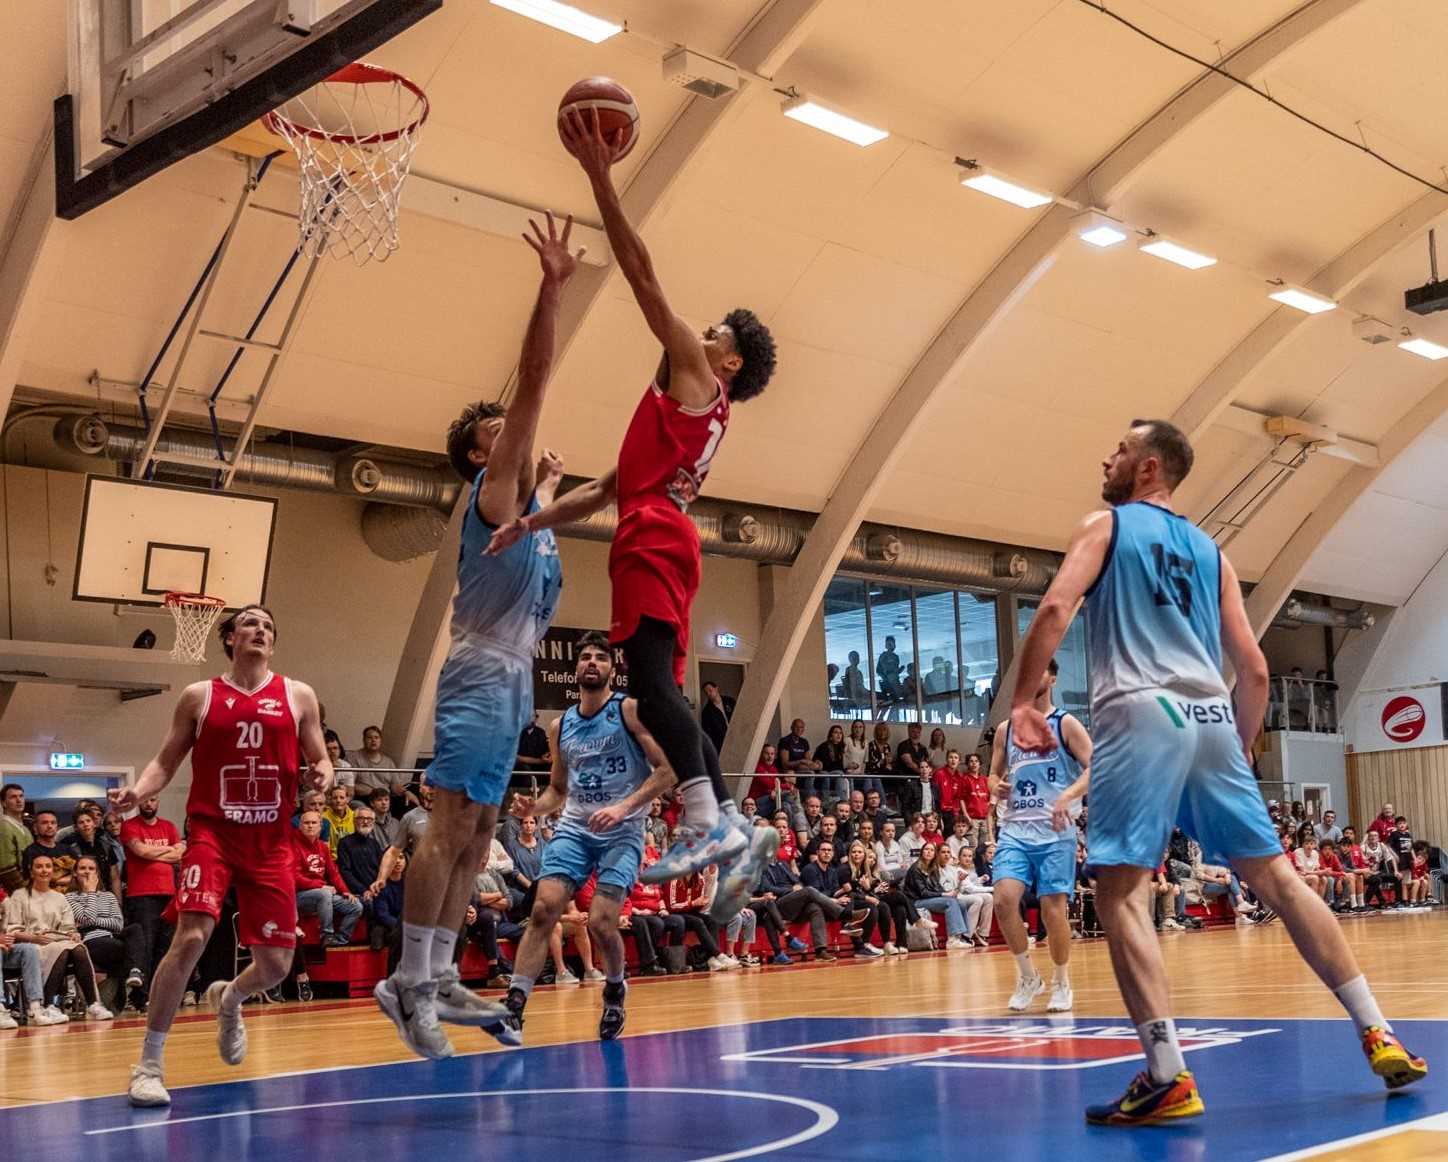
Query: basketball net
(353, 136)
(194, 615)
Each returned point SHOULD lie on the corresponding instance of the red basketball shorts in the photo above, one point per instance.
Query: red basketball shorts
(266, 898)
(654, 568)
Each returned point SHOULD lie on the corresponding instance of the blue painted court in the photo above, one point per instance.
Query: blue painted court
(806, 1088)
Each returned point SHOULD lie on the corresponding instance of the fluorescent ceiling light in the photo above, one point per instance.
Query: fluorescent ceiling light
(997, 185)
(1160, 247)
(563, 17)
(1302, 299)
(1099, 229)
(1424, 347)
(817, 114)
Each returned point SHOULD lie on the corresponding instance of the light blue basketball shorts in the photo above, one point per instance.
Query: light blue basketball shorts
(1048, 869)
(1161, 759)
(484, 699)
(575, 853)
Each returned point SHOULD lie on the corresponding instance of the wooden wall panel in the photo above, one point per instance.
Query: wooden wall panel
(1414, 781)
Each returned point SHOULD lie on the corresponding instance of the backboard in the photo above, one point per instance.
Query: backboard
(139, 541)
(153, 81)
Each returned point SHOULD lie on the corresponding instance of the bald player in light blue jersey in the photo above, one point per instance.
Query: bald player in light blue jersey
(1036, 842)
(503, 606)
(1162, 603)
(607, 770)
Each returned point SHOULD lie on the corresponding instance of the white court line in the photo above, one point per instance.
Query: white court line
(825, 1117)
(1433, 1122)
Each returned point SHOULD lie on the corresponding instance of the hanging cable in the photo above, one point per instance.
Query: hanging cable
(1360, 146)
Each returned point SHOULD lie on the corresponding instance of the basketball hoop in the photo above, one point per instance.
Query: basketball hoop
(194, 614)
(353, 136)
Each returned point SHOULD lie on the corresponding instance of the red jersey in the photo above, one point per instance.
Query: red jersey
(667, 449)
(245, 765)
(976, 796)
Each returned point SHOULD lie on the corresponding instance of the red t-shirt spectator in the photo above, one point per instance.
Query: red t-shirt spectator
(1352, 854)
(313, 866)
(950, 788)
(1420, 867)
(976, 795)
(1329, 864)
(767, 782)
(933, 837)
(1384, 825)
(149, 877)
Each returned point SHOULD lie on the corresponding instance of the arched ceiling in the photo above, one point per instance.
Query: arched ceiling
(856, 257)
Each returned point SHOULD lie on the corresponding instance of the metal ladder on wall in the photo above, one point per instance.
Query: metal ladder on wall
(1231, 515)
(190, 319)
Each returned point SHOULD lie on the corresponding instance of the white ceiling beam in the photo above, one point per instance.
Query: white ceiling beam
(880, 450)
(771, 38)
(1210, 398)
(1282, 574)
(31, 228)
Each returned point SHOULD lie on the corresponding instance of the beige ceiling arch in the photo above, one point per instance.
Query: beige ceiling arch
(31, 228)
(804, 585)
(771, 38)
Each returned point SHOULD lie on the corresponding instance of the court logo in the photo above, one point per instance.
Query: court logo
(1404, 718)
(1029, 1045)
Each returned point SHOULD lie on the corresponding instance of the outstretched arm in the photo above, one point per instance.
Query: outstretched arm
(1246, 657)
(582, 502)
(691, 381)
(506, 486)
(1085, 556)
(309, 734)
(162, 769)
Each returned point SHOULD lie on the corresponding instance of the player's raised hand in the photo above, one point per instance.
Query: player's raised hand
(1030, 730)
(552, 249)
(506, 536)
(595, 150)
(550, 468)
(122, 799)
(522, 805)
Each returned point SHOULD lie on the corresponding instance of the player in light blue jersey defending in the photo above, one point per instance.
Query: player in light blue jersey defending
(1161, 605)
(504, 604)
(607, 770)
(1036, 843)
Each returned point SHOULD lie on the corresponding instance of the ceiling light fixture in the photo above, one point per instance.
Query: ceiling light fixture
(997, 185)
(1301, 299)
(564, 17)
(829, 119)
(1100, 229)
(1372, 331)
(1159, 246)
(1425, 348)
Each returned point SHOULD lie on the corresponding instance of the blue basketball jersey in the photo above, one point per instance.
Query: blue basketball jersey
(1037, 780)
(509, 599)
(605, 762)
(1153, 615)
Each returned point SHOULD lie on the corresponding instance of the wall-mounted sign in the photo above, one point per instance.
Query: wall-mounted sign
(66, 761)
(555, 685)
(1397, 719)
(726, 641)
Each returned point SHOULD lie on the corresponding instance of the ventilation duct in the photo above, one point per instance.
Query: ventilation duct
(1296, 613)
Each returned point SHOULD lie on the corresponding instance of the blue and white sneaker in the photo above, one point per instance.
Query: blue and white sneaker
(739, 876)
(695, 850)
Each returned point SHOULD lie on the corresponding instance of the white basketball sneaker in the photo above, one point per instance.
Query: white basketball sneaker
(413, 1009)
(230, 1029)
(1061, 999)
(147, 1089)
(1027, 989)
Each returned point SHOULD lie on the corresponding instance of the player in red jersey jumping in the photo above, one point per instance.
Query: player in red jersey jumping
(654, 563)
(246, 731)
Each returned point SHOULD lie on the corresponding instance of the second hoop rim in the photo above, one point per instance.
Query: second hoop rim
(357, 73)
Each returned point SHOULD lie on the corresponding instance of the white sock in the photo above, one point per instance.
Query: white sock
(416, 964)
(1061, 975)
(444, 940)
(152, 1048)
(701, 809)
(1023, 965)
(1357, 998)
(1163, 1050)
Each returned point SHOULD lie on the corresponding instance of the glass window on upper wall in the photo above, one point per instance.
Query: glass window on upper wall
(847, 649)
(935, 629)
(1073, 690)
(892, 630)
(980, 656)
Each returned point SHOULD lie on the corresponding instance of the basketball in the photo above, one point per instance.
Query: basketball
(610, 102)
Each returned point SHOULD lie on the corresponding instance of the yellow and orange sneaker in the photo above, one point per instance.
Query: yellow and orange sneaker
(1150, 1103)
(1389, 1060)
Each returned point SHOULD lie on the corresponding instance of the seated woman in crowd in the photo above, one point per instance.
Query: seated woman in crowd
(932, 832)
(829, 758)
(893, 913)
(115, 947)
(879, 760)
(923, 890)
(914, 838)
(649, 919)
(1165, 895)
(38, 914)
(977, 903)
(689, 899)
(857, 750)
(772, 790)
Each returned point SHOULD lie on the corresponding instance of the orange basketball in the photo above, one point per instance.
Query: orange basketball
(610, 102)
